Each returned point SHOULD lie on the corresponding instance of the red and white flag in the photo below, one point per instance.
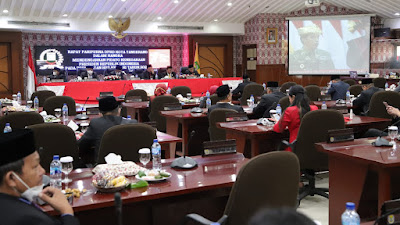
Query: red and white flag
(31, 79)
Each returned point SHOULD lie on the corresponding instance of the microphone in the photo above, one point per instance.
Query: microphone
(123, 89)
(82, 116)
(185, 162)
(118, 207)
(380, 141)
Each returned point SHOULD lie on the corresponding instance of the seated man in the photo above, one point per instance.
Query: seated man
(362, 102)
(110, 110)
(192, 71)
(118, 72)
(212, 90)
(338, 88)
(89, 73)
(58, 74)
(239, 90)
(168, 74)
(21, 184)
(224, 93)
(268, 101)
(149, 73)
(395, 112)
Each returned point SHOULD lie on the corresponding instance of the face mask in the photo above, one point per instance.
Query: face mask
(30, 194)
(54, 73)
(90, 71)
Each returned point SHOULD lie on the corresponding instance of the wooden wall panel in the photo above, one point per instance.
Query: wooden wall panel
(212, 60)
(5, 75)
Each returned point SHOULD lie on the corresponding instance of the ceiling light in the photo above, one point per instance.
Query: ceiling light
(229, 4)
(397, 14)
(5, 11)
(65, 15)
(159, 18)
(216, 20)
(110, 16)
(123, 0)
(176, 1)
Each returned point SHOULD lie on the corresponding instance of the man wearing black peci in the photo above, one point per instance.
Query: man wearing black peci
(239, 90)
(338, 88)
(169, 73)
(362, 102)
(192, 71)
(58, 74)
(21, 184)
(225, 95)
(267, 101)
(118, 72)
(89, 73)
(149, 73)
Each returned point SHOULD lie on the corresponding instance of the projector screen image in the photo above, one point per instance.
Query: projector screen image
(160, 58)
(329, 46)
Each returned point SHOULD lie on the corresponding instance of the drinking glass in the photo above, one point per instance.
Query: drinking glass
(29, 104)
(189, 96)
(14, 96)
(57, 113)
(144, 156)
(66, 167)
(393, 131)
(84, 127)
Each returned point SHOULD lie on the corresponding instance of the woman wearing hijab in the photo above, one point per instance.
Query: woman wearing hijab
(161, 89)
(291, 118)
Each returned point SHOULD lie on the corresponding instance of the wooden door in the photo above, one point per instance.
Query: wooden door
(5, 65)
(250, 60)
(212, 60)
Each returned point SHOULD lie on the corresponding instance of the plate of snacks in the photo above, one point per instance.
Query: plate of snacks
(109, 182)
(51, 119)
(153, 175)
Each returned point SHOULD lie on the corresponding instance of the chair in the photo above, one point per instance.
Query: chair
(313, 92)
(57, 102)
(137, 92)
(350, 82)
(42, 96)
(126, 140)
(139, 72)
(19, 120)
(183, 90)
(55, 139)
(157, 105)
(379, 82)
(184, 69)
(254, 89)
(355, 89)
(218, 115)
(284, 103)
(311, 161)
(268, 180)
(286, 86)
(378, 109)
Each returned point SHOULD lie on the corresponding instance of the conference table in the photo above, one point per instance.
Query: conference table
(203, 190)
(79, 91)
(249, 130)
(361, 173)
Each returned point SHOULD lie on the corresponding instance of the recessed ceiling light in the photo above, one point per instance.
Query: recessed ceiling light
(65, 15)
(5, 11)
(229, 4)
(216, 20)
(176, 1)
(123, 0)
(110, 16)
(159, 18)
(397, 14)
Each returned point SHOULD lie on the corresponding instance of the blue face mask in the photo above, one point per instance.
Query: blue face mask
(31, 194)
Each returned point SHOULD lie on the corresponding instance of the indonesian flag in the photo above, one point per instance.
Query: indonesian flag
(31, 79)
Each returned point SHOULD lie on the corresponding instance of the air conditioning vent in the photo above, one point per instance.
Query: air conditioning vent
(164, 27)
(33, 23)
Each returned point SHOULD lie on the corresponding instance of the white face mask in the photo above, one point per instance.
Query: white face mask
(90, 71)
(31, 194)
(54, 73)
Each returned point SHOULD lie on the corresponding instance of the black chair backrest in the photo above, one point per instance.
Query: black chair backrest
(254, 89)
(350, 82)
(126, 140)
(42, 96)
(284, 103)
(379, 82)
(19, 120)
(183, 70)
(137, 92)
(218, 115)
(157, 105)
(355, 89)
(57, 102)
(286, 86)
(183, 90)
(376, 106)
(249, 193)
(313, 92)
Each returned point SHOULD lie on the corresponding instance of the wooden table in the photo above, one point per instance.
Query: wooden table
(331, 104)
(350, 167)
(249, 130)
(202, 190)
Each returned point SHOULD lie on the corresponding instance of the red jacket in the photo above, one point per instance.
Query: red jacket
(291, 120)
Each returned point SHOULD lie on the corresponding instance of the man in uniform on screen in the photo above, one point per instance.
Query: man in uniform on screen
(309, 57)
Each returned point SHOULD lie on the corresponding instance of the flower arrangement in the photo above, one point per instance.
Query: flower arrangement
(112, 77)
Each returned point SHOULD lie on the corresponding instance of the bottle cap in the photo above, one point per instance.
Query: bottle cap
(278, 105)
(155, 141)
(56, 157)
(323, 102)
(350, 205)
(65, 103)
(7, 124)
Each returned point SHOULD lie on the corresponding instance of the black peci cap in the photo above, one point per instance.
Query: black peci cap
(367, 81)
(223, 90)
(108, 104)
(272, 84)
(16, 145)
(118, 67)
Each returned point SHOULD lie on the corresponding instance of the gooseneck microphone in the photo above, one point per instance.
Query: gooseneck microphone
(185, 162)
(123, 89)
(118, 207)
(380, 141)
(82, 116)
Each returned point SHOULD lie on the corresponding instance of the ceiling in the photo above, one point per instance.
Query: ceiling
(189, 11)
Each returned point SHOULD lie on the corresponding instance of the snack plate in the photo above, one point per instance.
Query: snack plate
(152, 179)
(109, 190)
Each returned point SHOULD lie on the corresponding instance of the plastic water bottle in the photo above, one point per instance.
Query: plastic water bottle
(7, 128)
(169, 90)
(128, 117)
(208, 75)
(55, 172)
(156, 77)
(350, 216)
(323, 106)
(347, 96)
(386, 85)
(19, 97)
(156, 152)
(252, 101)
(177, 76)
(36, 104)
(278, 109)
(65, 112)
(207, 94)
(208, 102)
(264, 86)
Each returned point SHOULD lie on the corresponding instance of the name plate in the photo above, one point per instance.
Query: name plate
(105, 94)
(91, 79)
(57, 80)
(236, 117)
(390, 213)
(172, 106)
(340, 135)
(92, 111)
(219, 147)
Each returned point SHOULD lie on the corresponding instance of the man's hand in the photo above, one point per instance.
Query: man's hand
(393, 111)
(57, 200)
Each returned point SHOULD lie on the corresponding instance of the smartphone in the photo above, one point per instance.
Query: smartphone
(386, 104)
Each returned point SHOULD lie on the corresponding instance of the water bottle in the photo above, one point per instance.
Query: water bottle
(177, 76)
(156, 152)
(278, 110)
(7, 128)
(347, 96)
(36, 104)
(156, 77)
(128, 117)
(55, 172)
(169, 90)
(65, 112)
(386, 85)
(208, 75)
(350, 216)
(323, 106)
(252, 101)
(208, 102)
(264, 86)
(19, 97)
(207, 94)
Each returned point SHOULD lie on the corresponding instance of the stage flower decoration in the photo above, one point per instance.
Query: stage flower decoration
(112, 77)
